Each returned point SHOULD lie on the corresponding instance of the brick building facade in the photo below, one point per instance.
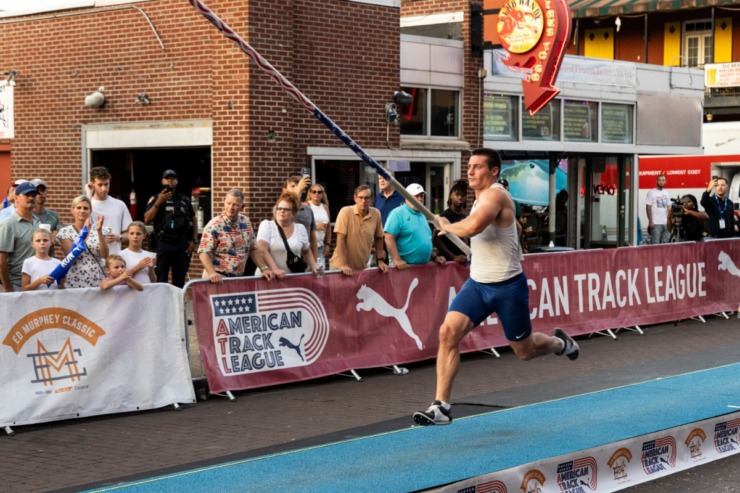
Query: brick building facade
(342, 54)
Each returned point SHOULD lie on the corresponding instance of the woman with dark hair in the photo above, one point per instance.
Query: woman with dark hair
(689, 224)
(457, 202)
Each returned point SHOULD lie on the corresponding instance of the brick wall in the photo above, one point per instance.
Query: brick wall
(343, 55)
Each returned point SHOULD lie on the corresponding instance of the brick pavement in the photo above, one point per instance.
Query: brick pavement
(63, 455)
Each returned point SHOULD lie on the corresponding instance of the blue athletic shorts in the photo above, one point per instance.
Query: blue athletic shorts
(508, 299)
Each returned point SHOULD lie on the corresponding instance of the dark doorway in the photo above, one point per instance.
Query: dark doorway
(141, 170)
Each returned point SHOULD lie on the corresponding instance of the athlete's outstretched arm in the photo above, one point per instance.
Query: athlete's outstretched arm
(489, 207)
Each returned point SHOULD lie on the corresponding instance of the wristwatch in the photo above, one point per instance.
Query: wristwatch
(264, 268)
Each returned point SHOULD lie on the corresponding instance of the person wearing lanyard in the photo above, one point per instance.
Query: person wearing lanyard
(720, 209)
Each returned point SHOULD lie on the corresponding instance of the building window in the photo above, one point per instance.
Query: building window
(500, 117)
(580, 121)
(433, 113)
(697, 43)
(543, 125)
(617, 123)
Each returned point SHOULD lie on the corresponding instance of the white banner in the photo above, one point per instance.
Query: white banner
(83, 352)
(616, 466)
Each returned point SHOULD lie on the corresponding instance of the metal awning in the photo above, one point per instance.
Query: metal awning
(600, 8)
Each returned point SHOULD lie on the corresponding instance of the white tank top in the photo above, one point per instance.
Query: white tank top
(495, 252)
(320, 216)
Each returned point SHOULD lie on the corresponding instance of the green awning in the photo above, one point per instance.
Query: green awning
(600, 8)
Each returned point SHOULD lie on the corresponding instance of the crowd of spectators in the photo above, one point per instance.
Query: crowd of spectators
(296, 239)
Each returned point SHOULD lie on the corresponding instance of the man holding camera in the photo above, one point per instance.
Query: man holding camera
(720, 209)
(175, 237)
(657, 202)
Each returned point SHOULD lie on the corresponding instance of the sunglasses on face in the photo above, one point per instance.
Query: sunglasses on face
(317, 192)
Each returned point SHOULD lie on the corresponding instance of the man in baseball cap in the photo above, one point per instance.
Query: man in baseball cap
(15, 237)
(44, 215)
(408, 236)
(10, 209)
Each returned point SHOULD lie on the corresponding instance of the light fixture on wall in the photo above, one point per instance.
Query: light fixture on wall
(271, 136)
(97, 99)
(710, 117)
(143, 98)
(618, 23)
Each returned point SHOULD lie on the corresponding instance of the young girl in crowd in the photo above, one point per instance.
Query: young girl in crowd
(36, 269)
(143, 261)
(115, 268)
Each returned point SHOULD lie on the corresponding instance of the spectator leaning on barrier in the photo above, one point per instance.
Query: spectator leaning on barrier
(720, 209)
(407, 233)
(116, 213)
(657, 203)
(16, 237)
(227, 240)
(175, 235)
(357, 228)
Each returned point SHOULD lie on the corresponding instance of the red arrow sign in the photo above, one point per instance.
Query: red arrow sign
(536, 34)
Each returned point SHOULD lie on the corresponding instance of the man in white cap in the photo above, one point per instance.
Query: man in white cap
(15, 237)
(408, 236)
(8, 211)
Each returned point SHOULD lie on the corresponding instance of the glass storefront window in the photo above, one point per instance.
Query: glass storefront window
(500, 117)
(580, 121)
(544, 125)
(444, 116)
(413, 118)
(617, 123)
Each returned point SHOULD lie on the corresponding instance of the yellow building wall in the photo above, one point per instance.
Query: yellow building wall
(599, 43)
(672, 44)
(722, 40)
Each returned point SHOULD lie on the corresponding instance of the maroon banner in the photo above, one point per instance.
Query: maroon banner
(253, 333)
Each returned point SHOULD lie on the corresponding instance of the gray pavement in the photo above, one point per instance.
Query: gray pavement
(81, 454)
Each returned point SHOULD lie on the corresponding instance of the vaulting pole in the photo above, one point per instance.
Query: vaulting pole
(315, 111)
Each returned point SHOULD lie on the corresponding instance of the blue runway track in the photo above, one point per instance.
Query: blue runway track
(420, 458)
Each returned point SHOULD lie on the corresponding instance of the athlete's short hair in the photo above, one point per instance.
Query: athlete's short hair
(492, 157)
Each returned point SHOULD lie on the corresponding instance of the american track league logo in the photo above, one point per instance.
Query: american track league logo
(577, 476)
(268, 330)
(694, 441)
(533, 481)
(726, 436)
(618, 464)
(54, 361)
(658, 455)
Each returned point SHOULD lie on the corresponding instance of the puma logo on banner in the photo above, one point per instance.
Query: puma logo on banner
(371, 300)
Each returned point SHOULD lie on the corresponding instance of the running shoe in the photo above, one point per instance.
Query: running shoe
(435, 415)
(570, 348)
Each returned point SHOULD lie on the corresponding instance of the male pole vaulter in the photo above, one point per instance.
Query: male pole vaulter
(497, 284)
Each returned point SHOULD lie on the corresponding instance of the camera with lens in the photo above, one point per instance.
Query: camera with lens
(677, 207)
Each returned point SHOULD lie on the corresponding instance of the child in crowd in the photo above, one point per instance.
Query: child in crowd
(143, 261)
(117, 275)
(36, 269)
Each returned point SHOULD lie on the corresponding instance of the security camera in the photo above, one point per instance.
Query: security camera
(402, 98)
